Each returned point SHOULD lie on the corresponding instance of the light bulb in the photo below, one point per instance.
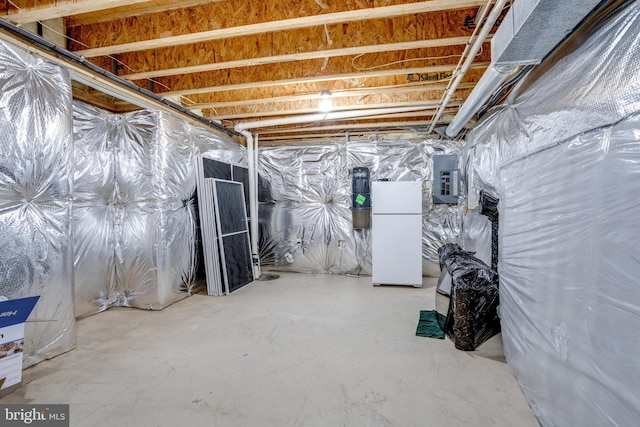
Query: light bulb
(325, 105)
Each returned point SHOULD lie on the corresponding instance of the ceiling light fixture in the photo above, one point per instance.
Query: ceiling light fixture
(325, 105)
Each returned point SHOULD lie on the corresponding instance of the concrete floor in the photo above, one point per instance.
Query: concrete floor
(302, 350)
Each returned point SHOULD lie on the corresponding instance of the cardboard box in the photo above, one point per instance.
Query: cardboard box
(13, 315)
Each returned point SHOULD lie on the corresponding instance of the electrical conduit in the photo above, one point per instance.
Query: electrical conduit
(473, 51)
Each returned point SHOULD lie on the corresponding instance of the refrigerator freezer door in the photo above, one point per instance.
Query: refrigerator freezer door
(397, 250)
(397, 197)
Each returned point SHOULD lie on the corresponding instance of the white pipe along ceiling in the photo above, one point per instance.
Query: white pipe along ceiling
(470, 56)
(529, 31)
(252, 155)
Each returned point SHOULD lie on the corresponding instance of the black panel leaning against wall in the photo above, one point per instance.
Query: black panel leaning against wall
(135, 207)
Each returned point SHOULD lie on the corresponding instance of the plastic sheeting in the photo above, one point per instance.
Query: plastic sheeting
(594, 85)
(476, 235)
(135, 214)
(35, 198)
(212, 146)
(305, 217)
(564, 159)
(570, 301)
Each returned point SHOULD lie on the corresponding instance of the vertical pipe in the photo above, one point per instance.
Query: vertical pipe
(252, 154)
(253, 211)
(255, 226)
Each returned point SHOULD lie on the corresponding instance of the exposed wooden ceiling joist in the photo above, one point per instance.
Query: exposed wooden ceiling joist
(244, 60)
(374, 119)
(422, 104)
(282, 25)
(93, 11)
(334, 95)
(282, 132)
(330, 53)
(85, 96)
(63, 8)
(346, 76)
(380, 100)
(420, 116)
(339, 87)
(141, 8)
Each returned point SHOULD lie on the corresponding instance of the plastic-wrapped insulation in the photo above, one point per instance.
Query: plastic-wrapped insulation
(35, 198)
(564, 158)
(134, 208)
(305, 218)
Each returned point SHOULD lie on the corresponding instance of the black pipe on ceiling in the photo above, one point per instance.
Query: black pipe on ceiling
(70, 56)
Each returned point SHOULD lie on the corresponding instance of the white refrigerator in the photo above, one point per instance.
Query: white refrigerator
(396, 232)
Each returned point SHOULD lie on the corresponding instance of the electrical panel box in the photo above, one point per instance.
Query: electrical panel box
(446, 179)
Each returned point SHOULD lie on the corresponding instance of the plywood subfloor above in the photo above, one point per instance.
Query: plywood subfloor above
(244, 60)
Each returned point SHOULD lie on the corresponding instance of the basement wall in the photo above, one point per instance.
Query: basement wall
(305, 200)
(563, 156)
(113, 220)
(135, 207)
(36, 182)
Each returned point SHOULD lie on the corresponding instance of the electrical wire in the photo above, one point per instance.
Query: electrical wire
(14, 5)
(124, 65)
(496, 96)
(70, 57)
(469, 46)
(402, 61)
(53, 30)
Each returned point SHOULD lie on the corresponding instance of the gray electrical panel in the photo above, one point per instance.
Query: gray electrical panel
(446, 179)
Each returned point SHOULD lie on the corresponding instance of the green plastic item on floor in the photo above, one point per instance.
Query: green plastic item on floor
(431, 324)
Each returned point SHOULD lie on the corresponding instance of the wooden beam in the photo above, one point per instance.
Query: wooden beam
(102, 82)
(268, 134)
(141, 8)
(329, 53)
(423, 105)
(452, 106)
(303, 107)
(370, 120)
(334, 95)
(337, 87)
(285, 24)
(84, 96)
(355, 135)
(364, 123)
(326, 78)
(340, 132)
(62, 8)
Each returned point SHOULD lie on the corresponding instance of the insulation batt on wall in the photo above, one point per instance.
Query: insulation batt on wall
(305, 200)
(127, 192)
(563, 156)
(134, 211)
(36, 176)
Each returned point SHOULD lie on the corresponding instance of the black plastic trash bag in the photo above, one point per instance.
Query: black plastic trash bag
(472, 317)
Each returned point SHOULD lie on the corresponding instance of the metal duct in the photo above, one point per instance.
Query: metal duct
(529, 31)
(533, 28)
